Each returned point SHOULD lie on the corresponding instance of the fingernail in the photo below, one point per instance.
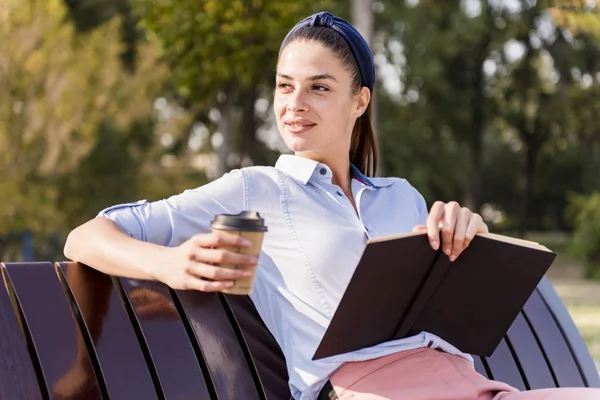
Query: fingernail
(229, 284)
(253, 260)
(247, 243)
(447, 251)
(452, 258)
(435, 244)
(246, 274)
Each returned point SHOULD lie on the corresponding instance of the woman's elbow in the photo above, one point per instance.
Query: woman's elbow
(69, 249)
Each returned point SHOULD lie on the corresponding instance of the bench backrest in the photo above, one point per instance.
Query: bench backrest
(68, 330)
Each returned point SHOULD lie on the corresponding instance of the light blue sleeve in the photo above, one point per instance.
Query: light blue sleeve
(421, 207)
(172, 221)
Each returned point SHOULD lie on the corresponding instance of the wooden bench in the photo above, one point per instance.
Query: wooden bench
(70, 332)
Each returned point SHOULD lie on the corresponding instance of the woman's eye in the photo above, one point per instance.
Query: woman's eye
(283, 85)
(320, 88)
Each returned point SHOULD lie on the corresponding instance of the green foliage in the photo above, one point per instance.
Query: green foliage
(480, 124)
(222, 56)
(218, 46)
(78, 130)
(585, 212)
(57, 88)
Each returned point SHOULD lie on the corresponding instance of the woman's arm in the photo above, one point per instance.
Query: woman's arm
(102, 245)
(167, 240)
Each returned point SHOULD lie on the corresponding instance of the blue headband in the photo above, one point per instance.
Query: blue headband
(358, 45)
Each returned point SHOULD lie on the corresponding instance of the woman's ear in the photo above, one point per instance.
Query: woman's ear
(364, 97)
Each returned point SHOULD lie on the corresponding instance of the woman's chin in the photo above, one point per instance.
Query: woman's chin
(297, 145)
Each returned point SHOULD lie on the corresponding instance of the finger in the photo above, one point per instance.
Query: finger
(216, 273)
(460, 232)
(419, 228)
(221, 239)
(224, 256)
(433, 229)
(450, 216)
(193, 283)
(476, 225)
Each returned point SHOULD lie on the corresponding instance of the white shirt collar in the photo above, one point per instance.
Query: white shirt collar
(302, 169)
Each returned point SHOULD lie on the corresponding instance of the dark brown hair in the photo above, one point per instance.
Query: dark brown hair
(363, 147)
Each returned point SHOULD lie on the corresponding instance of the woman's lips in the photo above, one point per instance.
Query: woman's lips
(299, 127)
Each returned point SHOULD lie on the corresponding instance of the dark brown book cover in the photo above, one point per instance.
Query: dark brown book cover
(402, 286)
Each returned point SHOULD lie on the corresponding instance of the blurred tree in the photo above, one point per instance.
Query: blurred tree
(363, 19)
(89, 14)
(55, 89)
(222, 56)
(439, 49)
(585, 211)
(474, 69)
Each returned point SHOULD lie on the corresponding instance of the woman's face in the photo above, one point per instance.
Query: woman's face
(314, 104)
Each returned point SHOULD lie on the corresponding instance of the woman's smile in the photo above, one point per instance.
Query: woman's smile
(298, 125)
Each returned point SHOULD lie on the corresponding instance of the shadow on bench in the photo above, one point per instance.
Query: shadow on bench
(70, 332)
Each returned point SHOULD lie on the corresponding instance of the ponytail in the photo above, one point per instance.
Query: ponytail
(363, 146)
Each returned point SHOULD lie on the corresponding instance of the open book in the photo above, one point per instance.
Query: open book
(402, 286)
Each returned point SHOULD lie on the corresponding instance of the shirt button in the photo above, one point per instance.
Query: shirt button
(323, 171)
(339, 193)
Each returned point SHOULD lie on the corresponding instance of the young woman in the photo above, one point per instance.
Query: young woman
(320, 208)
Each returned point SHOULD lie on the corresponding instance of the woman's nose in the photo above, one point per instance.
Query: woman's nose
(296, 102)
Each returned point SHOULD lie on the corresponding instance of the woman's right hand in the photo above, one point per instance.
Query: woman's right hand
(194, 265)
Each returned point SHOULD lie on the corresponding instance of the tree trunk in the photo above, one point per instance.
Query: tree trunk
(362, 19)
(251, 148)
(527, 186)
(224, 128)
(590, 155)
(472, 187)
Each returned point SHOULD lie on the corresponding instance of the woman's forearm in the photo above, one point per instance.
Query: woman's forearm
(102, 245)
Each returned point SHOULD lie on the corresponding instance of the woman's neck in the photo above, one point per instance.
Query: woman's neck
(341, 174)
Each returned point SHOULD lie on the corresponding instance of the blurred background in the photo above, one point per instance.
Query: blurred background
(494, 103)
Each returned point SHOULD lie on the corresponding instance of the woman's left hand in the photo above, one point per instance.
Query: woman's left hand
(458, 226)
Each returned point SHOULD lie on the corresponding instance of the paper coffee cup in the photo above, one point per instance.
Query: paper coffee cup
(251, 226)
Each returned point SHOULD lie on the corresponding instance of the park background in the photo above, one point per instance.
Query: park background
(494, 103)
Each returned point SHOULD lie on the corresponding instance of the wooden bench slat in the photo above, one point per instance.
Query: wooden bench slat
(119, 353)
(479, 366)
(220, 346)
(17, 372)
(168, 344)
(552, 341)
(264, 350)
(562, 318)
(503, 367)
(57, 339)
(530, 356)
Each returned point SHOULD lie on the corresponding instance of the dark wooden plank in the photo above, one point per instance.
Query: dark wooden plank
(56, 336)
(530, 356)
(17, 372)
(118, 350)
(480, 367)
(220, 346)
(587, 367)
(504, 368)
(167, 341)
(264, 350)
(553, 344)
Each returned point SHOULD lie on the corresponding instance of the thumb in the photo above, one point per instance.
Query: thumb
(420, 228)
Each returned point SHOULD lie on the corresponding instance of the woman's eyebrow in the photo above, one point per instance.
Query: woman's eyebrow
(311, 78)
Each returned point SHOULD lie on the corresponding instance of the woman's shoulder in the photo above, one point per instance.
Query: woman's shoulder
(390, 181)
(402, 186)
(241, 176)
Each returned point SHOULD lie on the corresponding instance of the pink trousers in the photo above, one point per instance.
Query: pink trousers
(428, 374)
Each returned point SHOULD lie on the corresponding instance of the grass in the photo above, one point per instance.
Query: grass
(581, 296)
